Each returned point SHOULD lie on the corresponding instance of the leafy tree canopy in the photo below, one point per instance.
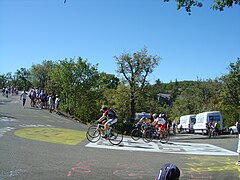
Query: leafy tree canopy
(216, 5)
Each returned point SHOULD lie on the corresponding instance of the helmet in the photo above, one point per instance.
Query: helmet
(154, 115)
(161, 115)
(168, 171)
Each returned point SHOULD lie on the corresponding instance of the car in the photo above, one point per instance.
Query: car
(233, 130)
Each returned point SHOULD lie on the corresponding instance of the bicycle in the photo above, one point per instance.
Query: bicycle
(212, 133)
(138, 133)
(151, 133)
(95, 132)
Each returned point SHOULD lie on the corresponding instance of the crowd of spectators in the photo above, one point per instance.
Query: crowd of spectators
(38, 98)
(6, 91)
(43, 100)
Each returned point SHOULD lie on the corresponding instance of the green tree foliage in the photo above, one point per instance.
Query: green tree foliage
(76, 84)
(230, 94)
(5, 78)
(216, 5)
(108, 81)
(135, 69)
(40, 73)
(119, 100)
(192, 97)
(22, 76)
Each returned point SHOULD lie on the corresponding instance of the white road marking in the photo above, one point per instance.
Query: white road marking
(9, 119)
(171, 147)
(4, 130)
(35, 125)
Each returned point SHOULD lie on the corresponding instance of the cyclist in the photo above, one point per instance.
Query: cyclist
(161, 125)
(108, 118)
(145, 122)
(155, 120)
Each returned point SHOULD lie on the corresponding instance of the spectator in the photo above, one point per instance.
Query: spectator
(23, 97)
(50, 103)
(57, 100)
(168, 172)
(217, 127)
(238, 149)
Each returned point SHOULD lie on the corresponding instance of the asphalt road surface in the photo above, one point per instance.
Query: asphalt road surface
(36, 144)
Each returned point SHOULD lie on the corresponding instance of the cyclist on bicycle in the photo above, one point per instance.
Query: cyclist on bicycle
(161, 124)
(155, 120)
(108, 118)
(145, 122)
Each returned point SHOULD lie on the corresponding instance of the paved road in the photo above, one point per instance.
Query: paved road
(35, 144)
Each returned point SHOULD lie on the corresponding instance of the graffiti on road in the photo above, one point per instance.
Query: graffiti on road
(171, 147)
(81, 167)
(134, 171)
(52, 135)
(193, 167)
(124, 171)
(205, 167)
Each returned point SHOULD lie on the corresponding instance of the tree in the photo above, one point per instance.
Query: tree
(76, 83)
(40, 73)
(217, 4)
(22, 75)
(135, 69)
(4, 79)
(108, 81)
(230, 94)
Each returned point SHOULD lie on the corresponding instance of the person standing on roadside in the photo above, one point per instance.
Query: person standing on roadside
(50, 103)
(238, 149)
(57, 100)
(23, 97)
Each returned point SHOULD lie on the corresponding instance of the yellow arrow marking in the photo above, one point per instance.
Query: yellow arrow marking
(52, 135)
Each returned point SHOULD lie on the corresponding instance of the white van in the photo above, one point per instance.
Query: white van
(186, 123)
(205, 117)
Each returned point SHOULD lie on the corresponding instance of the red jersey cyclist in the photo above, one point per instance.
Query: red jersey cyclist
(108, 118)
(160, 123)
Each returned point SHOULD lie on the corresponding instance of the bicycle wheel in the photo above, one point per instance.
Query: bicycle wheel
(147, 136)
(115, 137)
(136, 134)
(93, 135)
(166, 137)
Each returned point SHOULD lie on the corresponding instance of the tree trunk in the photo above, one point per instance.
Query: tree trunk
(132, 102)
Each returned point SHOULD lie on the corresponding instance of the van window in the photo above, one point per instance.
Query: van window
(139, 116)
(214, 118)
(200, 119)
(184, 121)
(193, 120)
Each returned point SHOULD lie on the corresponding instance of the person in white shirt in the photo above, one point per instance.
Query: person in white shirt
(50, 103)
(238, 149)
(23, 97)
(57, 100)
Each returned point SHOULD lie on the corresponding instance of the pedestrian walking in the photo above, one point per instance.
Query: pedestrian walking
(50, 103)
(57, 100)
(238, 149)
(23, 97)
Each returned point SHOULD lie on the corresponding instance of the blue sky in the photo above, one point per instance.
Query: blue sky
(199, 46)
